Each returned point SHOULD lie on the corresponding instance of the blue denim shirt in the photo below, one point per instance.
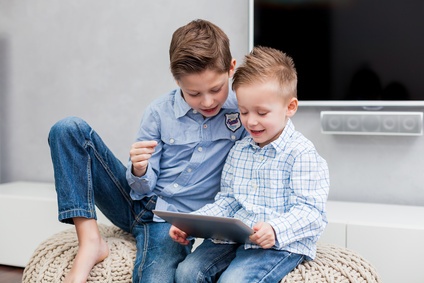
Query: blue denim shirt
(185, 169)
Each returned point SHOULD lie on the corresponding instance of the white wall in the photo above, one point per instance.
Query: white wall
(101, 60)
(381, 169)
(106, 60)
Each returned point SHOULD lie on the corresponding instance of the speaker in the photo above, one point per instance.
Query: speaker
(372, 123)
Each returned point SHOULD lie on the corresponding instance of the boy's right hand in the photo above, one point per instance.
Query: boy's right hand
(140, 153)
(178, 235)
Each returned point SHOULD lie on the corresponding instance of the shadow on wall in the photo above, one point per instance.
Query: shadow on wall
(4, 91)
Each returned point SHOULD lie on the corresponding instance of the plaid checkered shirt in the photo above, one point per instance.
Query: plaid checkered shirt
(285, 184)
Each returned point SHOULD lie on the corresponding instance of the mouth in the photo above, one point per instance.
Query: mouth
(210, 110)
(256, 132)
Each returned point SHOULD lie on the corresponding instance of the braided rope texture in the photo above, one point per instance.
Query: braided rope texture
(334, 264)
(53, 258)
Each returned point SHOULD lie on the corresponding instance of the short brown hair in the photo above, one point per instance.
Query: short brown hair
(264, 63)
(198, 46)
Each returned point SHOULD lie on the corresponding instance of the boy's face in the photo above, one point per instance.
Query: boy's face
(264, 111)
(206, 92)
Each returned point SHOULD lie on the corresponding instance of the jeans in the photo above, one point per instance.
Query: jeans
(228, 263)
(87, 174)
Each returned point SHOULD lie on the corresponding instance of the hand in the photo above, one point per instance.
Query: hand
(140, 153)
(178, 235)
(264, 235)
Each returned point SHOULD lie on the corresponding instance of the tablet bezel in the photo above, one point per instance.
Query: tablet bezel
(203, 226)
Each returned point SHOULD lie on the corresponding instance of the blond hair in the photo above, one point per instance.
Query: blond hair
(265, 63)
(198, 46)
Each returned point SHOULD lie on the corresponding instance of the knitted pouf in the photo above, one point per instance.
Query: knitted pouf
(53, 258)
(333, 264)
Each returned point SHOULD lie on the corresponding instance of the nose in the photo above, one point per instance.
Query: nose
(251, 120)
(207, 100)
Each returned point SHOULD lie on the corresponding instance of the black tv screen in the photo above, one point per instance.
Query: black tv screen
(348, 50)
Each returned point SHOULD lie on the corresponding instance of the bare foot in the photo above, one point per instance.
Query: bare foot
(92, 250)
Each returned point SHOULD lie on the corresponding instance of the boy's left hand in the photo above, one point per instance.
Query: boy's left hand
(264, 235)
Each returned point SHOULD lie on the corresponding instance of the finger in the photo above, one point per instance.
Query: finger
(145, 144)
(183, 242)
(264, 240)
(266, 245)
(135, 151)
(173, 231)
(268, 242)
(254, 239)
(257, 235)
(182, 238)
(141, 158)
(257, 226)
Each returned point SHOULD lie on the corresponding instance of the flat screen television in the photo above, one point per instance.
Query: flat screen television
(348, 52)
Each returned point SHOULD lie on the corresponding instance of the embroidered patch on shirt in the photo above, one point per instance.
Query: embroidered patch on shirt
(232, 120)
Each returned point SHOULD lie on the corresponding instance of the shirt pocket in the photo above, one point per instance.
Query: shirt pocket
(179, 140)
(180, 133)
(221, 129)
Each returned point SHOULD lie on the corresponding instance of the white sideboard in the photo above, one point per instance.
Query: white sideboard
(390, 237)
(28, 216)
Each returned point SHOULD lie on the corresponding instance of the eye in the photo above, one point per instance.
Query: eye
(193, 94)
(216, 90)
(262, 113)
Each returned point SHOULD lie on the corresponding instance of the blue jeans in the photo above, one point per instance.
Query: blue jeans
(224, 263)
(88, 174)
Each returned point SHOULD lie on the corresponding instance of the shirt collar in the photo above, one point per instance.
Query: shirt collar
(279, 144)
(180, 106)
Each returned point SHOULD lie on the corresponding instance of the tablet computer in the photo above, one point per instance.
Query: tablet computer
(202, 226)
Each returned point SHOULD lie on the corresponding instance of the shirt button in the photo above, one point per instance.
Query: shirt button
(188, 170)
(195, 111)
(205, 126)
(199, 149)
(233, 137)
(175, 185)
(171, 140)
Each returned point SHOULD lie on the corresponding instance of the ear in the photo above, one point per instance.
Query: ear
(292, 107)
(232, 68)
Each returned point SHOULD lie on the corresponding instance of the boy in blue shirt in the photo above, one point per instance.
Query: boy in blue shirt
(175, 163)
(274, 181)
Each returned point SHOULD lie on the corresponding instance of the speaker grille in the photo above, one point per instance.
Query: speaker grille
(372, 123)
